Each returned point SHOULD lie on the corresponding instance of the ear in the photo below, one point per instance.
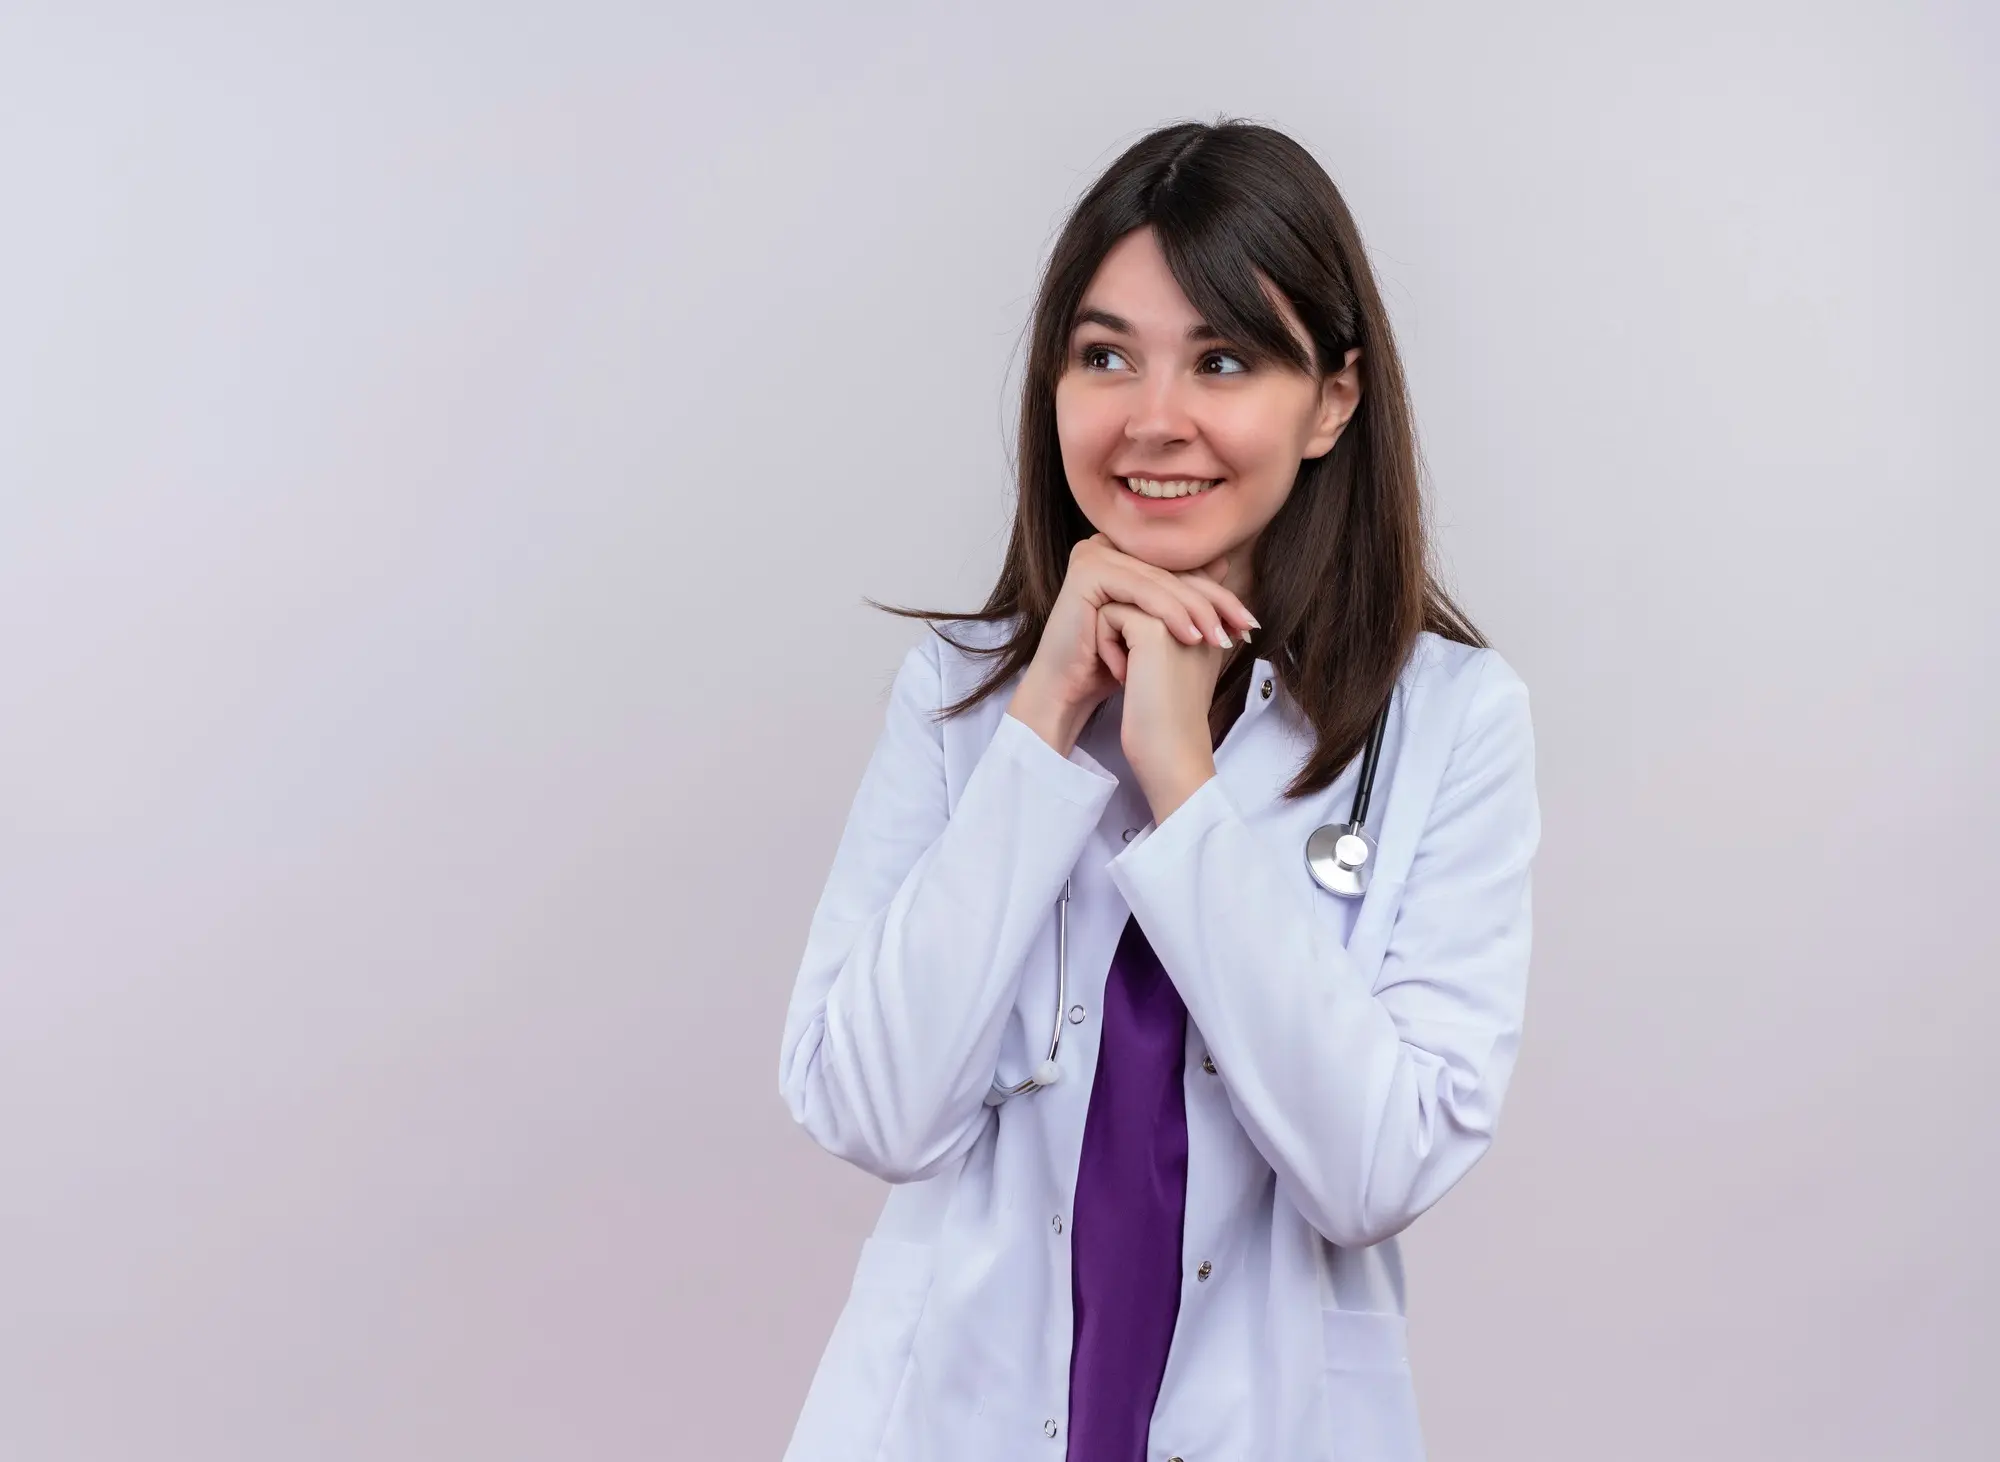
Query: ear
(1339, 394)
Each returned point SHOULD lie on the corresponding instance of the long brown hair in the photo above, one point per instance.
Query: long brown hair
(1343, 574)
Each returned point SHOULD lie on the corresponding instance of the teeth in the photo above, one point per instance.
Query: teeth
(1175, 487)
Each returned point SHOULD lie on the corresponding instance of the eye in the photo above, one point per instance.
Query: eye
(1241, 367)
(1088, 356)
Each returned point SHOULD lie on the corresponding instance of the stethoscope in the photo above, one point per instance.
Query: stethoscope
(1341, 859)
(1339, 856)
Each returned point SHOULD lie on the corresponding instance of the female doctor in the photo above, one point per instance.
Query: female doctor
(1162, 1033)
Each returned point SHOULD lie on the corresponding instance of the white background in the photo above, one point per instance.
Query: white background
(442, 450)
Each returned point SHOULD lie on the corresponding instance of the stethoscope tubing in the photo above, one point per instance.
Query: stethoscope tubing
(1357, 815)
(1050, 1071)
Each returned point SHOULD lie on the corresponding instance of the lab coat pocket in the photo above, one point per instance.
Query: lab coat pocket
(1371, 1400)
(867, 1356)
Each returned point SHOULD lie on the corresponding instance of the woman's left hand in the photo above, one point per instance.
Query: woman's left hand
(1169, 686)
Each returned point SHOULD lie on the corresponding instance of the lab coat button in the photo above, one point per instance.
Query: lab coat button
(1049, 1430)
(1266, 690)
(1205, 1270)
(1076, 1015)
(1131, 833)
(1208, 1064)
(1056, 1223)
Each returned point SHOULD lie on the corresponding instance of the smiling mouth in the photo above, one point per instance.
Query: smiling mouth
(1169, 487)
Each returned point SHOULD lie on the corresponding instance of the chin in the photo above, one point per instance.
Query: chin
(1176, 553)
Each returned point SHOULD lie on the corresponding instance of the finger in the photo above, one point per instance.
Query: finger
(1185, 605)
(1111, 644)
(1207, 609)
(1131, 623)
(1209, 606)
(1187, 614)
(1230, 609)
(1213, 575)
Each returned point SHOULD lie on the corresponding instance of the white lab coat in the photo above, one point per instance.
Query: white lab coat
(1345, 1058)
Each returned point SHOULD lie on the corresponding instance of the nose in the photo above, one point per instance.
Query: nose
(1159, 412)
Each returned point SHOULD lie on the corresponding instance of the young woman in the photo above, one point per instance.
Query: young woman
(1162, 1035)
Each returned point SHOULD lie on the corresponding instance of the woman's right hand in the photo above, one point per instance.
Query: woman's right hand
(1067, 678)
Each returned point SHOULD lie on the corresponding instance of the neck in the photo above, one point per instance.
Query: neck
(1238, 577)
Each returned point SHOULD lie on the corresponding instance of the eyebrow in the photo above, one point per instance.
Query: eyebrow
(1199, 330)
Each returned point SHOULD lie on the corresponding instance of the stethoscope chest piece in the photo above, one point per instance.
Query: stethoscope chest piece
(1340, 858)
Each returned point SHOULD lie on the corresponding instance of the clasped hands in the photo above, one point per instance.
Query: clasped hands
(1159, 634)
(1169, 686)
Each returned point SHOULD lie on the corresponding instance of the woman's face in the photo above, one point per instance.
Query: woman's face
(1148, 393)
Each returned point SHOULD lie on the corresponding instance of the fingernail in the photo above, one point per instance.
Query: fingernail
(1246, 636)
(1222, 638)
(1255, 622)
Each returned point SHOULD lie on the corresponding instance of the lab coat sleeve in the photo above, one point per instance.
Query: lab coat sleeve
(1369, 1104)
(916, 948)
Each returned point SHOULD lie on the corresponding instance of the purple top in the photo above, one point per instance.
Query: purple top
(1131, 1197)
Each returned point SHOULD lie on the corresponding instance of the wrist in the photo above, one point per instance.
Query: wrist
(1167, 790)
(1048, 716)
